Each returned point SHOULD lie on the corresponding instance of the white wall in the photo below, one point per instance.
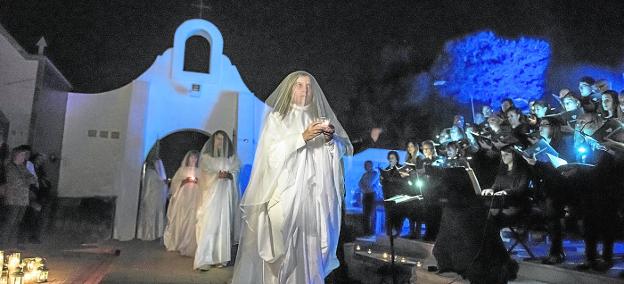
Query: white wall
(17, 88)
(161, 101)
(172, 105)
(90, 164)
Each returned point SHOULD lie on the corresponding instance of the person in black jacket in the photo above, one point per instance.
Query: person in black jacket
(601, 199)
(393, 182)
(555, 188)
(512, 181)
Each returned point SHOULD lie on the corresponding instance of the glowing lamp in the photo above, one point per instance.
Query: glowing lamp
(4, 277)
(39, 262)
(369, 251)
(418, 264)
(42, 276)
(17, 277)
(30, 264)
(582, 150)
(357, 247)
(14, 260)
(30, 276)
(385, 255)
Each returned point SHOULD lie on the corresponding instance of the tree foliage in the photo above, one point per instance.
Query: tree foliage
(491, 68)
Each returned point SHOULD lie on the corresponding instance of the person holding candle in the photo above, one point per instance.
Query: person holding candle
(183, 205)
(218, 217)
(293, 203)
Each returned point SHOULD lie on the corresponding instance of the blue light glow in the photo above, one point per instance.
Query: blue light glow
(489, 68)
(582, 150)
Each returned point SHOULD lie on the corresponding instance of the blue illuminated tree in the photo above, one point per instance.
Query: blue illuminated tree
(490, 68)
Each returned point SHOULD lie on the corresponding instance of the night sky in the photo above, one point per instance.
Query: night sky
(102, 45)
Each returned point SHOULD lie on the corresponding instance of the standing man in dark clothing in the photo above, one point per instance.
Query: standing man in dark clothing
(39, 218)
(393, 181)
(16, 193)
(601, 198)
(369, 186)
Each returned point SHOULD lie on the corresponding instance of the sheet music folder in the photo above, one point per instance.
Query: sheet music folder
(542, 151)
(610, 128)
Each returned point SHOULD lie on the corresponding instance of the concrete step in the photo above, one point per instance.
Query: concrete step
(365, 268)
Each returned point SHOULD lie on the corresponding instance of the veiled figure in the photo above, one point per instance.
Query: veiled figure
(218, 217)
(292, 205)
(151, 224)
(183, 205)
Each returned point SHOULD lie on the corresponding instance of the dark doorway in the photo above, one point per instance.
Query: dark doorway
(174, 146)
(171, 150)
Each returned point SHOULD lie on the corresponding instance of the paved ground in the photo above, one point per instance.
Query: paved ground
(137, 262)
(148, 262)
(70, 261)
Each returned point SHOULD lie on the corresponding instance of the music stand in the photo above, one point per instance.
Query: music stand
(460, 182)
(390, 202)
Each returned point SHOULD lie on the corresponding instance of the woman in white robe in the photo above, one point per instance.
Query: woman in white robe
(292, 205)
(183, 205)
(151, 224)
(218, 218)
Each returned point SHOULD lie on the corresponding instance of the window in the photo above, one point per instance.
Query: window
(197, 55)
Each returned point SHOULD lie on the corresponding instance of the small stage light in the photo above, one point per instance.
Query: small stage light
(419, 183)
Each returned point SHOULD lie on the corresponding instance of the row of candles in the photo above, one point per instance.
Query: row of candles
(386, 256)
(16, 270)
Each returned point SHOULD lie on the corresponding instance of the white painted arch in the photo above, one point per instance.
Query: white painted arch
(211, 33)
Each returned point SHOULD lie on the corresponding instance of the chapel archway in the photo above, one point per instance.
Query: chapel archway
(171, 150)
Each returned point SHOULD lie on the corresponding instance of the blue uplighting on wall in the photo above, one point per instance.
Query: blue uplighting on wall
(567, 76)
(490, 68)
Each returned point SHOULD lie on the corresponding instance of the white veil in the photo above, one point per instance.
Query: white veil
(186, 160)
(263, 181)
(279, 103)
(184, 170)
(209, 146)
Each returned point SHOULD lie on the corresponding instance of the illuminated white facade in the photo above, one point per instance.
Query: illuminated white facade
(107, 136)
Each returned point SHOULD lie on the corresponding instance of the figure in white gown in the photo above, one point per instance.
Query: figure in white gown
(292, 205)
(154, 196)
(183, 205)
(218, 218)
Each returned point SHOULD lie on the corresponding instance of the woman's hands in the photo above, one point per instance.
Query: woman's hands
(318, 128)
(530, 160)
(499, 193)
(225, 175)
(490, 192)
(313, 130)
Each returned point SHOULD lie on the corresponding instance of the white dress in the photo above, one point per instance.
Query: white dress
(181, 214)
(218, 218)
(152, 208)
(293, 237)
